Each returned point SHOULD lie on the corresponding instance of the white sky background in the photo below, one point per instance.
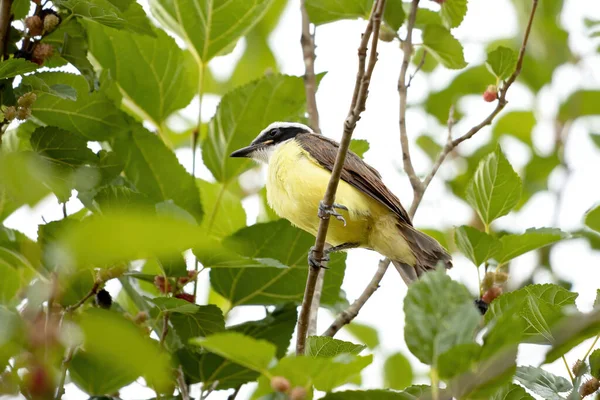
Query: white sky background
(486, 20)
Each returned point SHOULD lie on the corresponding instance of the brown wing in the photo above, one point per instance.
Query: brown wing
(356, 172)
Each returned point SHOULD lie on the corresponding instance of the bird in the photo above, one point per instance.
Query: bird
(366, 213)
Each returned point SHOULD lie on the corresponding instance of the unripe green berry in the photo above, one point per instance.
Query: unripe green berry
(10, 113)
(280, 384)
(51, 21)
(27, 99)
(23, 113)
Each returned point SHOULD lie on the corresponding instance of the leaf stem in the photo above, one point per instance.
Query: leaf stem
(60, 390)
(568, 368)
(587, 353)
(435, 382)
(359, 99)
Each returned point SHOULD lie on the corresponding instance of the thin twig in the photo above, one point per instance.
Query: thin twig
(5, 17)
(91, 293)
(351, 312)
(501, 103)
(307, 40)
(60, 390)
(407, 49)
(183, 388)
(359, 99)
(419, 66)
(165, 329)
(233, 395)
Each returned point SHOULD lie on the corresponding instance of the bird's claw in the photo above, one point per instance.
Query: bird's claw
(315, 262)
(325, 211)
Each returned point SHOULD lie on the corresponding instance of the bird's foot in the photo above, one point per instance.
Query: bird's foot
(325, 211)
(341, 247)
(317, 262)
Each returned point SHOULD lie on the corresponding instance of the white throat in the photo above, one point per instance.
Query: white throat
(264, 154)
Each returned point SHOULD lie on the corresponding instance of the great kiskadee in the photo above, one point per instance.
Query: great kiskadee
(370, 215)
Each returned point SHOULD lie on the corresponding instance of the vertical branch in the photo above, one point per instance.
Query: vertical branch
(359, 100)
(5, 17)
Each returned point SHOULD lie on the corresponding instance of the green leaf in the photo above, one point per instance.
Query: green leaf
(115, 341)
(325, 373)
(23, 176)
(501, 62)
(495, 188)
(12, 335)
(439, 315)
(534, 238)
(324, 11)
(96, 376)
(124, 14)
(244, 350)
(242, 114)
(277, 328)
(397, 372)
(572, 330)
(364, 333)
(596, 139)
(117, 237)
(540, 306)
(592, 219)
(459, 359)
(155, 170)
(394, 14)
(323, 346)
(153, 72)
(32, 83)
(359, 147)
(62, 146)
(411, 393)
(594, 362)
(518, 124)
(93, 115)
(224, 211)
(20, 8)
(440, 43)
(579, 104)
(191, 320)
(511, 392)
(476, 245)
(453, 12)
(10, 284)
(16, 66)
(424, 16)
(542, 382)
(283, 246)
(209, 28)
(429, 146)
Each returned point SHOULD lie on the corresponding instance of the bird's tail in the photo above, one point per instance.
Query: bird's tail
(427, 251)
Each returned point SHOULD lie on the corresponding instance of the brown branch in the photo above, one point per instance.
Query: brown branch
(419, 66)
(165, 329)
(359, 100)
(351, 312)
(91, 293)
(60, 389)
(451, 144)
(407, 49)
(183, 387)
(5, 18)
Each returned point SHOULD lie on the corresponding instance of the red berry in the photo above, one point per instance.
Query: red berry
(163, 284)
(491, 94)
(187, 297)
(589, 387)
(35, 25)
(491, 294)
(298, 393)
(41, 52)
(280, 384)
(39, 383)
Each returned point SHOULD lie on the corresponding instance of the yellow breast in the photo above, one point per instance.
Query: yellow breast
(296, 184)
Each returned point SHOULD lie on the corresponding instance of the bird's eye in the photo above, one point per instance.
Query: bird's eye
(273, 132)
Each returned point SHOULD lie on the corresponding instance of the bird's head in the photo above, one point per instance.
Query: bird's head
(269, 138)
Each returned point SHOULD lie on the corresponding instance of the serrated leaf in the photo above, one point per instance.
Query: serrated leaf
(476, 245)
(534, 238)
(397, 372)
(93, 115)
(277, 327)
(209, 27)
(243, 350)
(572, 330)
(439, 315)
(511, 392)
(517, 124)
(453, 12)
(116, 237)
(540, 306)
(155, 170)
(33, 83)
(394, 14)
(592, 219)
(542, 382)
(411, 393)
(325, 373)
(116, 341)
(285, 248)
(364, 333)
(242, 114)
(16, 66)
(495, 188)
(62, 146)
(359, 147)
(153, 72)
(324, 346)
(440, 43)
(95, 376)
(594, 362)
(501, 62)
(325, 11)
(125, 14)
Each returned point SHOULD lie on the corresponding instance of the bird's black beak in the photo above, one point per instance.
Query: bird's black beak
(244, 151)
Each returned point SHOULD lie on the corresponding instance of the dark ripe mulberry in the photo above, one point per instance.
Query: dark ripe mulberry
(103, 299)
(187, 297)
